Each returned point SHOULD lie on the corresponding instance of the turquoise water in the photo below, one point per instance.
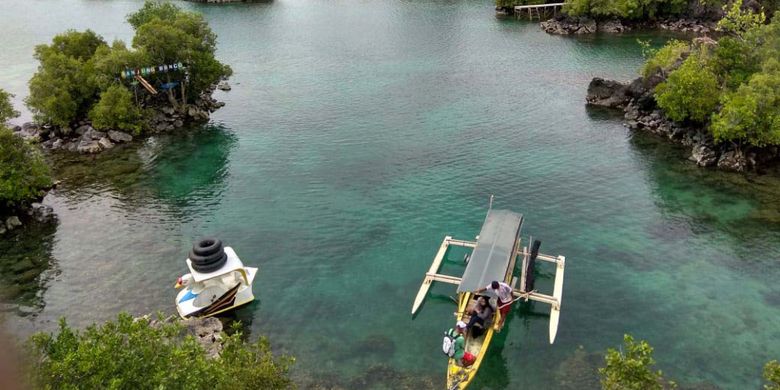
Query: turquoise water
(357, 135)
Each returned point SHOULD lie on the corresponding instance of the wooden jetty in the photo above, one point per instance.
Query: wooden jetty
(537, 10)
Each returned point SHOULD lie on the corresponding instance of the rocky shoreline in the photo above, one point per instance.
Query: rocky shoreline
(206, 331)
(568, 25)
(641, 113)
(85, 139)
(26, 213)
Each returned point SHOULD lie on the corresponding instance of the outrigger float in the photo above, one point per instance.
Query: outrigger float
(494, 256)
(218, 281)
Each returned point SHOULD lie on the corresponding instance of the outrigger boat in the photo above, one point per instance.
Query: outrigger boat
(218, 281)
(494, 257)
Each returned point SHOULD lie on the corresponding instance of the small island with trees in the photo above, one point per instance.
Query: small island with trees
(88, 95)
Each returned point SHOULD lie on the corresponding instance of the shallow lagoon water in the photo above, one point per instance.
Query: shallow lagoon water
(357, 135)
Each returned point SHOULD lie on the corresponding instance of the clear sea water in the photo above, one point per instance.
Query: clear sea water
(357, 135)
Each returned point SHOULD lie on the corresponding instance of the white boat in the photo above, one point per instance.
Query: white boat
(218, 281)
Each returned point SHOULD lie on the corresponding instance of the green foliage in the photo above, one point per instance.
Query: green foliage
(78, 45)
(691, 92)
(168, 34)
(732, 86)
(160, 10)
(772, 375)
(734, 61)
(6, 108)
(79, 67)
(739, 22)
(624, 9)
(663, 58)
(752, 113)
(116, 110)
(108, 62)
(632, 368)
(23, 171)
(132, 354)
(62, 89)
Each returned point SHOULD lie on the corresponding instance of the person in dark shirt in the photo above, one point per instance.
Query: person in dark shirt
(480, 315)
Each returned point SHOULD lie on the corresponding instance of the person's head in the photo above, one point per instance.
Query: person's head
(460, 326)
(482, 301)
(494, 285)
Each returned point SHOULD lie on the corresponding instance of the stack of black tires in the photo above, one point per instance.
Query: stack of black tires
(207, 255)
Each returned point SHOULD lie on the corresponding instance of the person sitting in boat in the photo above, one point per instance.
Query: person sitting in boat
(480, 314)
(457, 350)
(504, 293)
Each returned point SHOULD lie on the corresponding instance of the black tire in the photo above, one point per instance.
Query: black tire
(206, 268)
(205, 260)
(207, 246)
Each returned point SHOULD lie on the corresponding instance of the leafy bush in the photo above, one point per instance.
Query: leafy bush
(116, 110)
(752, 113)
(772, 375)
(6, 108)
(690, 92)
(632, 368)
(23, 171)
(132, 354)
(61, 90)
(665, 57)
(624, 9)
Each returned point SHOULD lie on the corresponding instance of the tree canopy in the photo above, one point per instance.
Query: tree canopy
(129, 353)
(631, 368)
(6, 108)
(23, 172)
(625, 9)
(690, 92)
(116, 110)
(772, 375)
(77, 68)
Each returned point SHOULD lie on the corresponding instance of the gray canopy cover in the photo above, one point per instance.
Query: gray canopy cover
(495, 246)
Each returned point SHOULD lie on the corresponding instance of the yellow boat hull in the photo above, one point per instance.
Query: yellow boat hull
(459, 377)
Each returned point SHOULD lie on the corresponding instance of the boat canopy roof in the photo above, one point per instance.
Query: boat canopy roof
(495, 248)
